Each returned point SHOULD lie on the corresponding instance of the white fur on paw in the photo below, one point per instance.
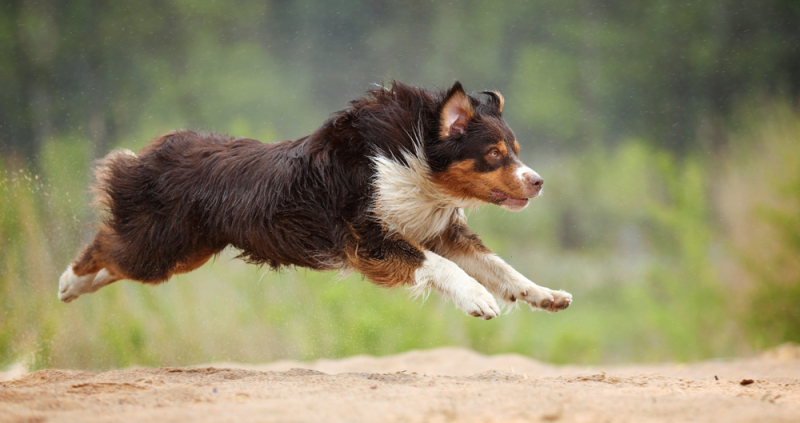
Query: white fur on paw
(562, 300)
(455, 284)
(71, 286)
(102, 279)
(545, 298)
(479, 303)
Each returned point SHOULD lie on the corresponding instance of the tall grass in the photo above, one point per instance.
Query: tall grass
(634, 233)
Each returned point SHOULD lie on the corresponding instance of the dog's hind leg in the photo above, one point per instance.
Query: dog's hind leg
(91, 271)
(96, 268)
(71, 286)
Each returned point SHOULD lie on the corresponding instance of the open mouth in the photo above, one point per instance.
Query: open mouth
(511, 201)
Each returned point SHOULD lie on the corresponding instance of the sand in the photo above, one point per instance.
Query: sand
(442, 385)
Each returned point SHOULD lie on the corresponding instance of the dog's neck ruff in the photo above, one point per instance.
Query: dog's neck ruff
(408, 202)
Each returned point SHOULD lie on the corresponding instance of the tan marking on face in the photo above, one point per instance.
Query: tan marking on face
(461, 180)
(516, 147)
(456, 179)
(501, 146)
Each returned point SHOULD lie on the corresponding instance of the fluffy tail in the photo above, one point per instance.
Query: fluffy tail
(103, 172)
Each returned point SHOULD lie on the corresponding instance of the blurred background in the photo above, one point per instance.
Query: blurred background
(668, 134)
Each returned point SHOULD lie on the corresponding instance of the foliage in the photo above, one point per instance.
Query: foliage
(762, 210)
(574, 72)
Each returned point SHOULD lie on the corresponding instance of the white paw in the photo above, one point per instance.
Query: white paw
(71, 286)
(478, 302)
(544, 298)
(455, 284)
(561, 300)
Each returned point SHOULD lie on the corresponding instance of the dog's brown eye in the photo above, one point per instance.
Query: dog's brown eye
(494, 153)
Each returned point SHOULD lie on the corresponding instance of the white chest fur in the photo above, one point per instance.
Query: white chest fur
(408, 202)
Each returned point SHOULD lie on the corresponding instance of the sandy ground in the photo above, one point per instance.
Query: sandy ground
(443, 385)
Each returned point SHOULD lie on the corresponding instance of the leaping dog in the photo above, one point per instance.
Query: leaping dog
(379, 188)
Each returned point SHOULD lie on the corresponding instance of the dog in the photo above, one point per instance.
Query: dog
(379, 188)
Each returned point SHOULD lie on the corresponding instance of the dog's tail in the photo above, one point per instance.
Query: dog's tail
(104, 171)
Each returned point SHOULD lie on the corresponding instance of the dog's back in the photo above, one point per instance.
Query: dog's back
(190, 195)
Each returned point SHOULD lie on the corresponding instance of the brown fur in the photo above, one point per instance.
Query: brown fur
(458, 240)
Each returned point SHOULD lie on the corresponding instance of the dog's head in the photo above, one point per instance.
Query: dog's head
(478, 154)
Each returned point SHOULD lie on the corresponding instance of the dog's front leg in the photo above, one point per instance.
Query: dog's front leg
(465, 249)
(455, 284)
(507, 283)
(394, 261)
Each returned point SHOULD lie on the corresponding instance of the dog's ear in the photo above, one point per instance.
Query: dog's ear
(495, 99)
(456, 112)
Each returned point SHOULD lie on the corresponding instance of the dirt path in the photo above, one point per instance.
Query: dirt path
(443, 385)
